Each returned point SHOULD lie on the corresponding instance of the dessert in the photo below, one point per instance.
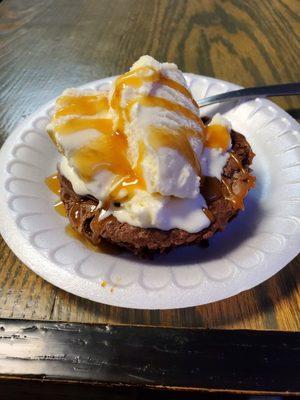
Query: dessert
(139, 167)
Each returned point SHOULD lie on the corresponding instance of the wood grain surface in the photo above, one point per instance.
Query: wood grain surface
(47, 46)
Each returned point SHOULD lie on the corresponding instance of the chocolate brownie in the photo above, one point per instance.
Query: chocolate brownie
(224, 200)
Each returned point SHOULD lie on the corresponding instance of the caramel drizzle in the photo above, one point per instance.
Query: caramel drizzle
(81, 105)
(236, 194)
(109, 150)
(212, 188)
(161, 137)
(136, 78)
(52, 182)
(217, 136)
(75, 124)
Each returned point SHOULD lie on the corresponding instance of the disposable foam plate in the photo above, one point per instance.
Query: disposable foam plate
(256, 245)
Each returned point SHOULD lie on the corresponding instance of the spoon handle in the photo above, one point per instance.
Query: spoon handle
(285, 89)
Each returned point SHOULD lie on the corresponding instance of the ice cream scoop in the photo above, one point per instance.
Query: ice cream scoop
(152, 106)
(140, 146)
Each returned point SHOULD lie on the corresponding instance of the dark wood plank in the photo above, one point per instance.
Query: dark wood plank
(158, 358)
(48, 45)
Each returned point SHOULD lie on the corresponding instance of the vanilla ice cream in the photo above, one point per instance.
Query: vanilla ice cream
(141, 148)
(216, 150)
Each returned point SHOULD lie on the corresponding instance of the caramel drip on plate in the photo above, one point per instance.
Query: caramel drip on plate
(102, 247)
(60, 208)
(52, 183)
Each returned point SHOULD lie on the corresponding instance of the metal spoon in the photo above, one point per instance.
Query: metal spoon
(285, 89)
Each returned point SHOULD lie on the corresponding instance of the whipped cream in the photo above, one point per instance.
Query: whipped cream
(142, 145)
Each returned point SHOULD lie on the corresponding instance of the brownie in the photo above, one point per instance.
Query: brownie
(224, 200)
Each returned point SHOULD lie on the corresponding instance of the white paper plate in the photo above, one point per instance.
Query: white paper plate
(256, 245)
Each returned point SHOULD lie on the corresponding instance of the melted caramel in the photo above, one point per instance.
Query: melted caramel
(75, 124)
(106, 152)
(109, 150)
(238, 162)
(240, 190)
(217, 136)
(161, 137)
(60, 209)
(237, 190)
(136, 78)
(52, 137)
(100, 248)
(151, 101)
(52, 183)
(158, 137)
(81, 105)
(211, 188)
(134, 180)
(233, 190)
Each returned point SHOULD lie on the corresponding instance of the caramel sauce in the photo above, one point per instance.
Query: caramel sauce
(81, 105)
(238, 163)
(60, 208)
(151, 101)
(161, 137)
(52, 183)
(136, 78)
(100, 248)
(235, 191)
(105, 152)
(211, 188)
(109, 150)
(217, 136)
(238, 191)
(158, 137)
(52, 137)
(75, 124)
(133, 181)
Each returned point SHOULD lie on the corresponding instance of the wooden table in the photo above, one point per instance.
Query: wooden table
(47, 46)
